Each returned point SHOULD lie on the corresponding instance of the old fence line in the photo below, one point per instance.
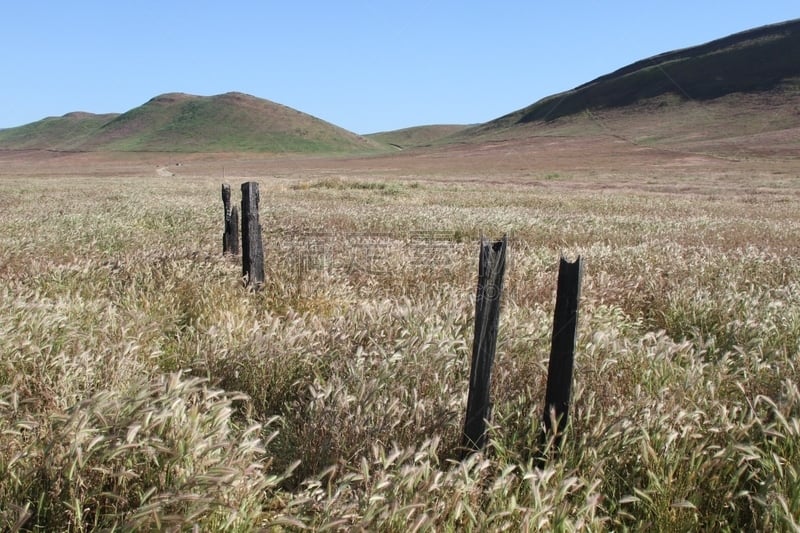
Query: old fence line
(491, 271)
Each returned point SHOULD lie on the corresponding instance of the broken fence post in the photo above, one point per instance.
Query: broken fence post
(252, 245)
(230, 237)
(491, 269)
(562, 351)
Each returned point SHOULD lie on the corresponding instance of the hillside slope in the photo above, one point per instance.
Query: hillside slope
(757, 60)
(416, 136)
(733, 98)
(738, 95)
(177, 122)
(67, 132)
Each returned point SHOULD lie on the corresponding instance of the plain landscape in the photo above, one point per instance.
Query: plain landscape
(144, 387)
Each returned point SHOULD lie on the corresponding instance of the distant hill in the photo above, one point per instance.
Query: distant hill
(67, 132)
(416, 136)
(177, 122)
(736, 87)
(760, 59)
(720, 98)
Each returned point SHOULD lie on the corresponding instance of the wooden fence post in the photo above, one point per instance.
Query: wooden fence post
(252, 246)
(491, 268)
(562, 351)
(230, 237)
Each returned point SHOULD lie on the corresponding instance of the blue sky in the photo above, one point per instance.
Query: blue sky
(366, 66)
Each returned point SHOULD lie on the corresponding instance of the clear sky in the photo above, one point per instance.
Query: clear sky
(366, 66)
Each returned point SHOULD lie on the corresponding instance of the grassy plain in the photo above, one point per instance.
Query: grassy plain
(142, 387)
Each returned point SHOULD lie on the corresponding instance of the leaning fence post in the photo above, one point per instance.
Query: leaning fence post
(562, 351)
(491, 267)
(230, 237)
(252, 247)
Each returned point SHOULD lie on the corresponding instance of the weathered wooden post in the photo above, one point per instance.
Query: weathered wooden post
(491, 268)
(230, 237)
(562, 351)
(252, 246)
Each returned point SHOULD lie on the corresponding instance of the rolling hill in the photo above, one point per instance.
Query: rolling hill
(177, 122)
(417, 136)
(757, 60)
(67, 132)
(736, 95)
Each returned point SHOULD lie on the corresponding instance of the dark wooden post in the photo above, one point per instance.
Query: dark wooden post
(230, 237)
(491, 268)
(562, 351)
(252, 247)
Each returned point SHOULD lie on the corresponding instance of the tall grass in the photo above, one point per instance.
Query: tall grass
(143, 387)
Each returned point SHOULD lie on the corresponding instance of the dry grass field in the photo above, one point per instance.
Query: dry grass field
(142, 387)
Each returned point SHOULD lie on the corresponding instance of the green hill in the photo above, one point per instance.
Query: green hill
(760, 59)
(67, 132)
(177, 122)
(741, 85)
(416, 136)
(724, 91)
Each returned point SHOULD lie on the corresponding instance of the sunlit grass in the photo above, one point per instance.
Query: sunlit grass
(143, 387)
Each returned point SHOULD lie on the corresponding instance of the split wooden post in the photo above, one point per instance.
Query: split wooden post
(491, 269)
(252, 245)
(562, 351)
(230, 237)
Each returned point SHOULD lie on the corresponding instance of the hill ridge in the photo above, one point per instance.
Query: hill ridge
(756, 59)
(182, 122)
(704, 48)
(646, 102)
